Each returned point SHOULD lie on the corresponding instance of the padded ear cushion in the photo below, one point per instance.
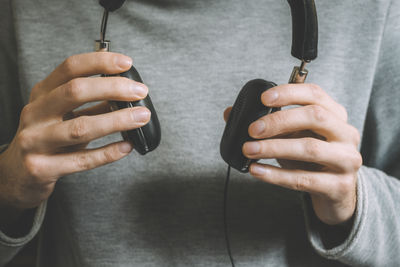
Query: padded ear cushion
(111, 5)
(247, 109)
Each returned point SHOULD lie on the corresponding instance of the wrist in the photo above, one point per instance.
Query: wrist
(331, 235)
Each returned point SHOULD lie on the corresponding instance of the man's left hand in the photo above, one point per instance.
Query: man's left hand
(314, 144)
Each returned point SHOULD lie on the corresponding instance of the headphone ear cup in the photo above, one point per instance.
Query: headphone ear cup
(237, 108)
(246, 109)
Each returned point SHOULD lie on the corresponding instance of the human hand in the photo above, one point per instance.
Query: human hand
(48, 146)
(314, 144)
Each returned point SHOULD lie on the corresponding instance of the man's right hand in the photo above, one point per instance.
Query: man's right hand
(48, 146)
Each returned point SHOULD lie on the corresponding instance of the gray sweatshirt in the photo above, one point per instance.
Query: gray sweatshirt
(165, 208)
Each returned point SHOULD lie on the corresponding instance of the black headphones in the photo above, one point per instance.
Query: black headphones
(247, 107)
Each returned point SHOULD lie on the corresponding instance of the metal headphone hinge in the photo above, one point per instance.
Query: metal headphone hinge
(102, 46)
(299, 74)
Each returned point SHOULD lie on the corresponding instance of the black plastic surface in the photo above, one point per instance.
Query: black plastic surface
(246, 109)
(146, 138)
(304, 29)
(111, 5)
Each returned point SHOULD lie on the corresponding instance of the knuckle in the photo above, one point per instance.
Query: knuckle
(82, 161)
(78, 129)
(33, 166)
(356, 160)
(356, 135)
(275, 119)
(26, 114)
(312, 148)
(69, 64)
(73, 89)
(25, 140)
(110, 155)
(318, 113)
(303, 182)
(316, 91)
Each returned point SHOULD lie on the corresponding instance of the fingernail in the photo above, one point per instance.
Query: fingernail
(252, 148)
(141, 114)
(125, 147)
(124, 62)
(258, 127)
(270, 96)
(139, 89)
(258, 170)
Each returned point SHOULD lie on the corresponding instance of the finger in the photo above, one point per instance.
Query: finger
(84, 65)
(312, 117)
(87, 128)
(83, 90)
(101, 108)
(226, 113)
(319, 183)
(68, 163)
(308, 150)
(302, 94)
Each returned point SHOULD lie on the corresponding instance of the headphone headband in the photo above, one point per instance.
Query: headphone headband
(304, 29)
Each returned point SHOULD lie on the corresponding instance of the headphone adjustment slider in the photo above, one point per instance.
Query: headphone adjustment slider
(299, 74)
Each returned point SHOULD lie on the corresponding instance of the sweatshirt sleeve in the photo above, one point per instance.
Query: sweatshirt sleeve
(374, 237)
(10, 246)
(10, 105)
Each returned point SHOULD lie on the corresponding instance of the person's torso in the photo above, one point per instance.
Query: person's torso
(165, 208)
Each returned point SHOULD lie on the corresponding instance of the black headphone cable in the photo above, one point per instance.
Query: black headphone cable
(228, 246)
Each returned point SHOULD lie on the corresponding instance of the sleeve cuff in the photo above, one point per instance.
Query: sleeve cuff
(338, 252)
(37, 222)
(9, 246)
(21, 241)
